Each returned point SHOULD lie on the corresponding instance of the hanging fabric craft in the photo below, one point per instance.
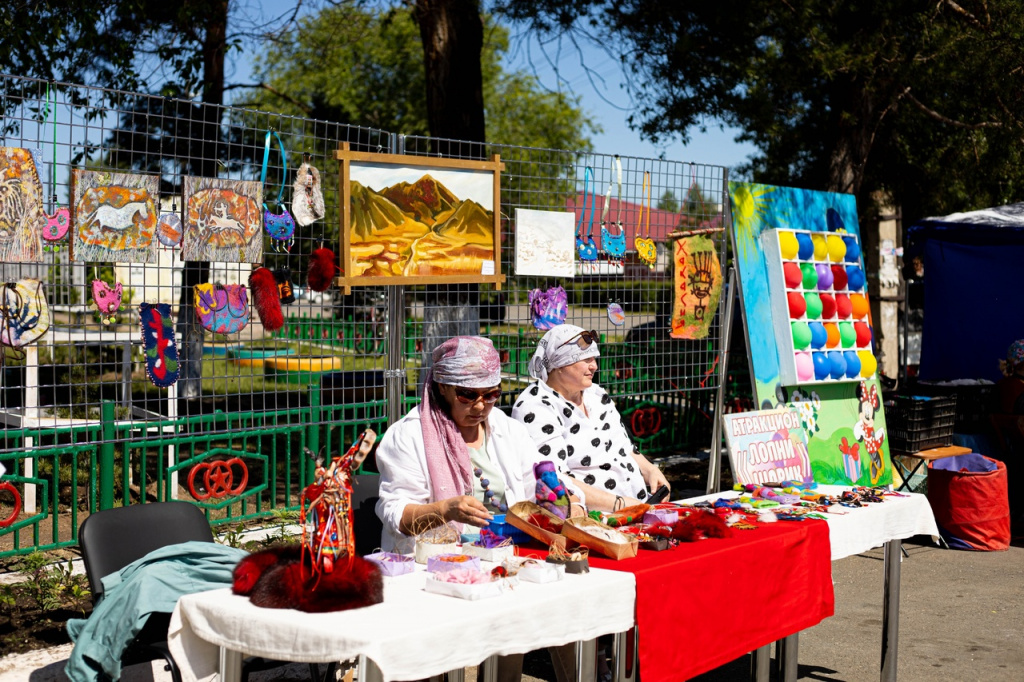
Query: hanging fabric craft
(321, 269)
(585, 245)
(107, 299)
(698, 286)
(645, 248)
(266, 299)
(169, 228)
(221, 308)
(158, 343)
(24, 315)
(548, 308)
(280, 226)
(307, 198)
(59, 222)
(21, 207)
(285, 289)
(616, 315)
(614, 245)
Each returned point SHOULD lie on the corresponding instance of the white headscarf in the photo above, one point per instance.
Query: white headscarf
(553, 351)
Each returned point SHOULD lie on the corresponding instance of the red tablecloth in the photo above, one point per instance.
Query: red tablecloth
(703, 604)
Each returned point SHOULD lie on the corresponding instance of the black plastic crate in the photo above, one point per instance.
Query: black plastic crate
(915, 423)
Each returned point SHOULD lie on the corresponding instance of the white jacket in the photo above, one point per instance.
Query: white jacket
(404, 478)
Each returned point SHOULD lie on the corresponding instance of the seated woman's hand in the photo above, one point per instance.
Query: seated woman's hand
(655, 478)
(464, 509)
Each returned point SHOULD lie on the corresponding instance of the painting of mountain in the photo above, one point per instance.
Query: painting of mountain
(414, 222)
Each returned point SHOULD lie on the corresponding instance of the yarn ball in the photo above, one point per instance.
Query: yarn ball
(797, 305)
(828, 306)
(820, 247)
(825, 276)
(854, 278)
(818, 334)
(801, 335)
(792, 274)
(810, 276)
(859, 305)
(813, 306)
(852, 249)
(868, 364)
(838, 277)
(821, 366)
(805, 367)
(836, 364)
(836, 248)
(843, 306)
(831, 335)
(788, 245)
(852, 364)
(805, 246)
(847, 335)
(863, 332)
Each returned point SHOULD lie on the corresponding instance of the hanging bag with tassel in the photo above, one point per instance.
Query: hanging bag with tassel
(280, 226)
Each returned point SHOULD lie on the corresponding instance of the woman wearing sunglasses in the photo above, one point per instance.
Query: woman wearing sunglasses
(454, 457)
(574, 422)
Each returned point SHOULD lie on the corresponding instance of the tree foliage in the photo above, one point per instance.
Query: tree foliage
(921, 100)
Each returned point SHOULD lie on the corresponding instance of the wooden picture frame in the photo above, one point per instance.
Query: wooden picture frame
(445, 234)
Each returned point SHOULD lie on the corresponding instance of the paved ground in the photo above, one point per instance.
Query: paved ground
(961, 619)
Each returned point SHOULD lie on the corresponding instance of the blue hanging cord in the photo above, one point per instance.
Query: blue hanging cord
(284, 163)
(588, 185)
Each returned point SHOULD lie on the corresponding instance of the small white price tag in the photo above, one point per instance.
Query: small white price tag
(487, 267)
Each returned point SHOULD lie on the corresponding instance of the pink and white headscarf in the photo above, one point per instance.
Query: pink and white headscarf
(553, 351)
(467, 362)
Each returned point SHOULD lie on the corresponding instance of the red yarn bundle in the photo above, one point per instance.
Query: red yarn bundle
(700, 525)
(266, 299)
(321, 269)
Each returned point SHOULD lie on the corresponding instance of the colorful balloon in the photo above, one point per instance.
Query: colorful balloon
(824, 276)
(832, 335)
(788, 245)
(820, 247)
(852, 250)
(859, 305)
(818, 334)
(810, 275)
(797, 304)
(805, 246)
(838, 277)
(868, 364)
(863, 332)
(847, 334)
(843, 306)
(828, 306)
(836, 248)
(792, 274)
(836, 364)
(813, 306)
(854, 278)
(801, 335)
(805, 367)
(852, 364)
(821, 366)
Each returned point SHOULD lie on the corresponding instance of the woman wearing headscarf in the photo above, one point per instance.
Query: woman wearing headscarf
(454, 457)
(574, 422)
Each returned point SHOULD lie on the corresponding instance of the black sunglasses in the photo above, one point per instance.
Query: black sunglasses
(584, 339)
(468, 396)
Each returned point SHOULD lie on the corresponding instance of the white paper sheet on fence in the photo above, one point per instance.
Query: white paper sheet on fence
(545, 243)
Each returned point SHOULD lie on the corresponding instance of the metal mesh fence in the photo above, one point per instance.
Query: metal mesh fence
(79, 395)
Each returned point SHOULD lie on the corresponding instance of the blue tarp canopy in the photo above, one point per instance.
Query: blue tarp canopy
(973, 290)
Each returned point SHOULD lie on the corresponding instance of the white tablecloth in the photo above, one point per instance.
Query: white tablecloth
(870, 526)
(412, 634)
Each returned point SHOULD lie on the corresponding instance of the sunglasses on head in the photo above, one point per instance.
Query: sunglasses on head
(467, 396)
(584, 339)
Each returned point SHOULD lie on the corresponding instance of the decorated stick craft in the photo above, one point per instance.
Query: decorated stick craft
(614, 245)
(645, 248)
(59, 222)
(307, 197)
(585, 245)
(280, 226)
(107, 299)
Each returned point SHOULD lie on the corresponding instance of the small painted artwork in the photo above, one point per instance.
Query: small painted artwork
(223, 220)
(698, 286)
(113, 216)
(24, 315)
(168, 230)
(158, 343)
(616, 315)
(21, 207)
(544, 243)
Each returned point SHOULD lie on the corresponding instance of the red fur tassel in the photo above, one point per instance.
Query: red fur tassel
(251, 568)
(699, 525)
(321, 269)
(266, 299)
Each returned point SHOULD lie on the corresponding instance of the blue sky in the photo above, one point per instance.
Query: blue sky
(598, 84)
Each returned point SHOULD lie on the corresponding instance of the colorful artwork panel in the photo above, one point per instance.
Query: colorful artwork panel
(223, 220)
(24, 315)
(22, 217)
(113, 216)
(544, 243)
(697, 286)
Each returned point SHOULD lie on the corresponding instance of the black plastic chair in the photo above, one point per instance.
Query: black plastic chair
(113, 538)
